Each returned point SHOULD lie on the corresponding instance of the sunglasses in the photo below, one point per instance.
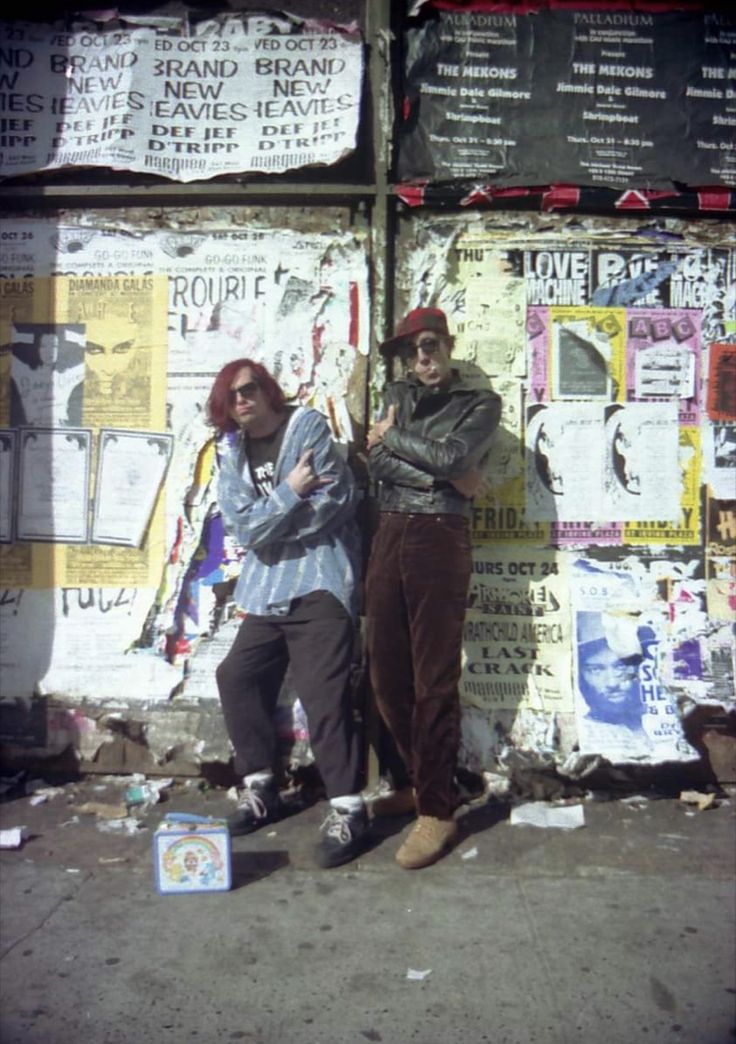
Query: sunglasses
(245, 391)
(427, 344)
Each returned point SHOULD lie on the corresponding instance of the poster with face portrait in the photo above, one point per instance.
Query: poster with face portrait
(564, 462)
(623, 709)
(642, 477)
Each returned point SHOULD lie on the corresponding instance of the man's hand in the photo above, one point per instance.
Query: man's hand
(303, 479)
(471, 484)
(379, 429)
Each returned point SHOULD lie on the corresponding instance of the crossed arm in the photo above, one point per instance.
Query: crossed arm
(407, 458)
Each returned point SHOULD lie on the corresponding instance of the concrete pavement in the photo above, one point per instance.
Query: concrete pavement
(621, 932)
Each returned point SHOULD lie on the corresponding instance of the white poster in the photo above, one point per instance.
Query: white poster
(643, 477)
(54, 484)
(130, 472)
(7, 481)
(230, 94)
(564, 462)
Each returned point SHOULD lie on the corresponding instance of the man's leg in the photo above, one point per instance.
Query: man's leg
(320, 636)
(249, 680)
(388, 640)
(436, 569)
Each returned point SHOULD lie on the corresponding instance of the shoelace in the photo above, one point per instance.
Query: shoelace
(337, 826)
(253, 803)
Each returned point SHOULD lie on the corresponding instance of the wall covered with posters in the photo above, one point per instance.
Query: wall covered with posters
(600, 612)
(112, 331)
(602, 601)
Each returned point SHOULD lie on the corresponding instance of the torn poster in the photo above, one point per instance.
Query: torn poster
(46, 374)
(549, 96)
(7, 484)
(623, 710)
(565, 451)
(663, 358)
(486, 297)
(217, 96)
(53, 484)
(131, 466)
(516, 638)
(685, 526)
(499, 516)
(720, 558)
(576, 353)
(721, 397)
(642, 475)
(719, 459)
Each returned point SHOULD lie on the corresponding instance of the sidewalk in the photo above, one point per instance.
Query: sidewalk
(620, 932)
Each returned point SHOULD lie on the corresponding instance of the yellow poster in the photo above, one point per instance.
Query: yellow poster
(687, 529)
(85, 352)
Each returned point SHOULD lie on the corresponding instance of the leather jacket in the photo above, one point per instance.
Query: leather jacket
(439, 434)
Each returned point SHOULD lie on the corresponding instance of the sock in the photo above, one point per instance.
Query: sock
(347, 803)
(258, 779)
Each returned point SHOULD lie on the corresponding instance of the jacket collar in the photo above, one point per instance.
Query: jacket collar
(457, 383)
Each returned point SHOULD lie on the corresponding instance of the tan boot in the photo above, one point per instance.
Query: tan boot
(399, 803)
(430, 838)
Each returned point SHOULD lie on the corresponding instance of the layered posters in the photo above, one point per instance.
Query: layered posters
(105, 371)
(623, 710)
(184, 101)
(79, 354)
(516, 646)
(130, 359)
(609, 97)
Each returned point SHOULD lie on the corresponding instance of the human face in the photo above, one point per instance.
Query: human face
(610, 678)
(107, 361)
(429, 358)
(248, 406)
(48, 348)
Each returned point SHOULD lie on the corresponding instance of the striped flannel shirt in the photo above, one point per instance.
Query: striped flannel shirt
(294, 545)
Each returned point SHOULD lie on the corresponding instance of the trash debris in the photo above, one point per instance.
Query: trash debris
(635, 801)
(103, 809)
(72, 870)
(124, 825)
(540, 814)
(702, 801)
(41, 795)
(496, 786)
(111, 859)
(13, 837)
(146, 792)
(472, 853)
(416, 975)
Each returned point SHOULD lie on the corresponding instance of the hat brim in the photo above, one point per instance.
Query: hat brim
(394, 345)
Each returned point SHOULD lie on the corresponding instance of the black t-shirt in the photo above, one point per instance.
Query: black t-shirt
(262, 455)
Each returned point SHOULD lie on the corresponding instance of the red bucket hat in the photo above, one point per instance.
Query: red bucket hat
(433, 319)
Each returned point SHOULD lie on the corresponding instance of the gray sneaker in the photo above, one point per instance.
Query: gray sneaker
(257, 806)
(344, 835)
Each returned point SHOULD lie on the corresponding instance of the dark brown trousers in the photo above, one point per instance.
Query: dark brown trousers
(416, 592)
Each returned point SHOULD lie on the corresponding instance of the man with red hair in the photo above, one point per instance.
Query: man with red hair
(288, 498)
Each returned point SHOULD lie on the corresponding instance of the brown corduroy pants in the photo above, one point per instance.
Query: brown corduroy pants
(416, 592)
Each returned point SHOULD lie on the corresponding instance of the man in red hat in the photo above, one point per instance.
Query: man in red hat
(427, 454)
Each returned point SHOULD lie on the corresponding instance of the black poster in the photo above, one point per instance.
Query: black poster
(609, 98)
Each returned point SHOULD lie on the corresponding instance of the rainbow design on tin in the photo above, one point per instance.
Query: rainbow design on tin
(195, 862)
